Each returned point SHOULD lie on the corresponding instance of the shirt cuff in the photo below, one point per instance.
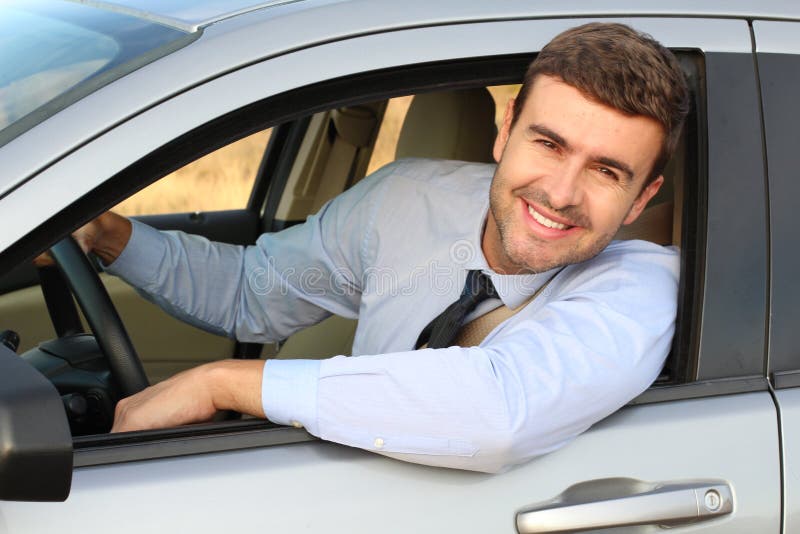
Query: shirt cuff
(289, 393)
(141, 258)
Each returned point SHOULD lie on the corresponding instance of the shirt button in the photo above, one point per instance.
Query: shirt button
(296, 424)
(379, 443)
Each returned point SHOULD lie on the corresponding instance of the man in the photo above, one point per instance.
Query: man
(580, 153)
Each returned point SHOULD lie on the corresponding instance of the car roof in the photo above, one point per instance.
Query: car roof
(192, 15)
(186, 15)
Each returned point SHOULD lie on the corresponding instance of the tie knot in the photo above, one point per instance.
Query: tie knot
(478, 288)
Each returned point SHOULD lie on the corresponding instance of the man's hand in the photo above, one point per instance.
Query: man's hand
(194, 396)
(106, 236)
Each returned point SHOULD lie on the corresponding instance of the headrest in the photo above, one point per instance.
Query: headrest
(455, 125)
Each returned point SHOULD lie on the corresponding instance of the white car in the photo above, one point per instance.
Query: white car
(100, 99)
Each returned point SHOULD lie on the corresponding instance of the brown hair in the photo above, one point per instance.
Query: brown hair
(617, 66)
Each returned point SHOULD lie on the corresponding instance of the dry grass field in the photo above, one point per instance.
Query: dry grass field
(223, 179)
(218, 181)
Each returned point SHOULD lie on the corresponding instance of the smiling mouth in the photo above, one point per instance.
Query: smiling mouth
(544, 221)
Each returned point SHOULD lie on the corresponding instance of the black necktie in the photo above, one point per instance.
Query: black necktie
(443, 329)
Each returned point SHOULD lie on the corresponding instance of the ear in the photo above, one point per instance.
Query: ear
(502, 136)
(641, 201)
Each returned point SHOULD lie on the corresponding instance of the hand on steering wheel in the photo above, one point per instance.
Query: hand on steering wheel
(101, 315)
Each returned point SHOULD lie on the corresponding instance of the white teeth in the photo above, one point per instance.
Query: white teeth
(544, 221)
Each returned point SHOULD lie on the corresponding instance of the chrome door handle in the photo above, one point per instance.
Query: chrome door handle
(617, 502)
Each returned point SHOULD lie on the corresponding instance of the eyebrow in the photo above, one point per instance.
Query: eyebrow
(605, 160)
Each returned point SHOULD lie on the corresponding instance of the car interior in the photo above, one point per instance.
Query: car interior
(333, 152)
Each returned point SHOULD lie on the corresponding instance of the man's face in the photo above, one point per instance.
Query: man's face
(570, 173)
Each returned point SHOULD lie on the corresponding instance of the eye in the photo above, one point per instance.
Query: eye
(547, 144)
(608, 173)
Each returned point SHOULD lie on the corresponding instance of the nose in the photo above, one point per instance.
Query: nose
(565, 187)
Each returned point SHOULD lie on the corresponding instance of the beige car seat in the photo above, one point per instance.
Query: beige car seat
(455, 125)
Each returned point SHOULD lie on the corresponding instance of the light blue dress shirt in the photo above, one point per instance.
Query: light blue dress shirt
(394, 251)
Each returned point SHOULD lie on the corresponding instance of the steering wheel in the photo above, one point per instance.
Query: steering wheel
(102, 316)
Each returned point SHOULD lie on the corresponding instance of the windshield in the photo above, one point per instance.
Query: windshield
(54, 53)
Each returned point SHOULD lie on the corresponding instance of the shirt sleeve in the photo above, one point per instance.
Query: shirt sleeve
(574, 357)
(265, 292)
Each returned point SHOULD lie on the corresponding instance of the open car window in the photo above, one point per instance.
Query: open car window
(301, 154)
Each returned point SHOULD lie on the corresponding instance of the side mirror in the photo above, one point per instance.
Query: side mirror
(35, 440)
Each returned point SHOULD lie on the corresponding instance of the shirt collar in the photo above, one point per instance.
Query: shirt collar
(513, 289)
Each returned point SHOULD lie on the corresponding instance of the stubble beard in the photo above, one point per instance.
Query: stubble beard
(525, 251)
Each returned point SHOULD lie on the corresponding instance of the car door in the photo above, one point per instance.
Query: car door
(698, 451)
(778, 46)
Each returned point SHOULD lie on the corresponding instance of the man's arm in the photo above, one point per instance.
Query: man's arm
(534, 386)
(265, 292)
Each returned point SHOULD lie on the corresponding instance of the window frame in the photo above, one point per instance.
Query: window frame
(350, 90)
